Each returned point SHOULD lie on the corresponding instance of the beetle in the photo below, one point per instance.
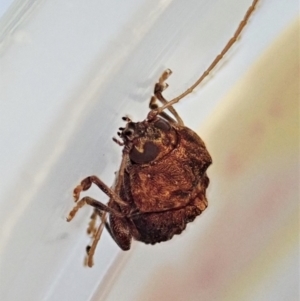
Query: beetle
(162, 181)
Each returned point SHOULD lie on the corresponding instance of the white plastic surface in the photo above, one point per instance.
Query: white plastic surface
(68, 71)
(4, 6)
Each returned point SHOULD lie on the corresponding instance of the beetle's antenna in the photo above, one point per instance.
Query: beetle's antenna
(215, 61)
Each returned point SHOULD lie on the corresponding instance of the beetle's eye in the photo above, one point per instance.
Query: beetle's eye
(162, 125)
(128, 132)
(149, 154)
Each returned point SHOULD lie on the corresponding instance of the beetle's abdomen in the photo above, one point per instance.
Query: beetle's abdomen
(162, 226)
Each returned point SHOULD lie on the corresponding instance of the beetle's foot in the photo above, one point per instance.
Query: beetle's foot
(87, 259)
(92, 229)
(84, 185)
(161, 85)
(76, 193)
(73, 212)
(165, 75)
(90, 250)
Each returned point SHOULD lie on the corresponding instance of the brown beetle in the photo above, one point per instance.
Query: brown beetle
(161, 183)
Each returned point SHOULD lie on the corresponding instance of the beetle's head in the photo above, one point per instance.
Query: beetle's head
(148, 141)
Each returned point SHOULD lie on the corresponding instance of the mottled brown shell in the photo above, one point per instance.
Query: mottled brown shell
(168, 193)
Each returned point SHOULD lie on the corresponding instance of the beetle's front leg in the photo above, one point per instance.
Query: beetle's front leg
(153, 105)
(160, 86)
(94, 203)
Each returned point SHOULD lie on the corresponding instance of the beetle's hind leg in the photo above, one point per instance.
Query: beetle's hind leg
(118, 230)
(96, 235)
(160, 86)
(100, 210)
(91, 230)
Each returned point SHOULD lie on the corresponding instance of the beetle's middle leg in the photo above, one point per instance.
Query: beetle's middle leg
(160, 86)
(86, 184)
(94, 203)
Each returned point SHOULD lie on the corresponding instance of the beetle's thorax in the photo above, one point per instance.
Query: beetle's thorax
(149, 140)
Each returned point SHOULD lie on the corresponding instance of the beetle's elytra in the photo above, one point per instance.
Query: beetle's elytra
(161, 184)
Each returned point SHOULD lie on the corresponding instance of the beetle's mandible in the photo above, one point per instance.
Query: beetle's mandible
(161, 184)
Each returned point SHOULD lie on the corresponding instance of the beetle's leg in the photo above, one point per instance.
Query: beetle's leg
(86, 184)
(100, 210)
(160, 86)
(92, 227)
(94, 203)
(123, 241)
(91, 249)
(91, 230)
(158, 89)
(107, 225)
(118, 229)
(120, 232)
(153, 105)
